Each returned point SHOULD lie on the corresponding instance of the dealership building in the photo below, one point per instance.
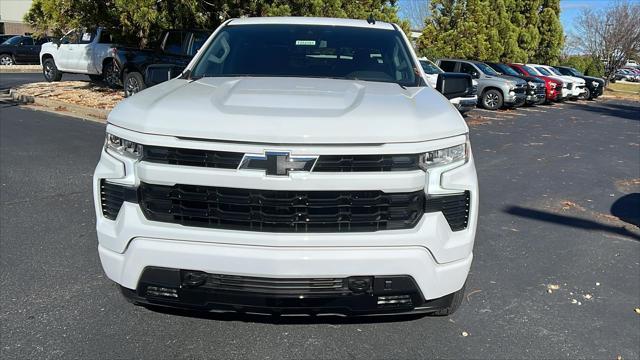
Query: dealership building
(11, 17)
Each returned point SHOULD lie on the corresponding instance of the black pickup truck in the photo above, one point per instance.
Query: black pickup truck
(174, 49)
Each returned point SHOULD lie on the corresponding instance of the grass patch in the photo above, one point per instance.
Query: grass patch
(626, 87)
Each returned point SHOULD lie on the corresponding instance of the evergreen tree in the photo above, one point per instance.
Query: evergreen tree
(551, 36)
(456, 29)
(525, 19)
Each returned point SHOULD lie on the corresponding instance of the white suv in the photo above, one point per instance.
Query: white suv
(322, 176)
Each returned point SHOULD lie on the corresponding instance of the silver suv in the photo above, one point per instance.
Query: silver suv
(494, 90)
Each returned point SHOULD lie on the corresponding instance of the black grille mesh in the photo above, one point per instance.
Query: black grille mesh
(192, 157)
(111, 198)
(454, 207)
(325, 163)
(281, 211)
(355, 163)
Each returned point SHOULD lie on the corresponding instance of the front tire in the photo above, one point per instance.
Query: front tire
(587, 95)
(133, 83)
(492, 99)
(7, 60)
(110, 74)
(50, 71)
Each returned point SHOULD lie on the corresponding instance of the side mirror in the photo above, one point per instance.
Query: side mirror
(453, 85)
(158, 73)
(475, 75)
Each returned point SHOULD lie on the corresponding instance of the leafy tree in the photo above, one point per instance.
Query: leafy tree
(141, 21)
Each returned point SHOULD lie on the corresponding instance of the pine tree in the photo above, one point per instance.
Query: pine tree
(525, 19)
(551, 35)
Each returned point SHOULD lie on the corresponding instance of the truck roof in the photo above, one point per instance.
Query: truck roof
(301, 20)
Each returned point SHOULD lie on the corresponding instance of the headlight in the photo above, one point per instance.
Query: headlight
(552, 85)
(123, 147)
(595, 83)
(531, 84)
(442, 157)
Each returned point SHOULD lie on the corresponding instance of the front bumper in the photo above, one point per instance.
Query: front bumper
(516, 99)
(464, 104)
(434, 256)
(395, 264)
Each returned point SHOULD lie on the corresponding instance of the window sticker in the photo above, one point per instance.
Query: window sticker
(305, 43)
(86, 36)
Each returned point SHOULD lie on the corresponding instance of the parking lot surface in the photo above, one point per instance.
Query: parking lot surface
(556, 272)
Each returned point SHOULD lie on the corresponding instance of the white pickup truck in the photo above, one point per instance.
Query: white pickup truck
(80, 51)
(323, 176)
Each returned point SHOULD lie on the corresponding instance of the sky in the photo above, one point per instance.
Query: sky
(569, 9)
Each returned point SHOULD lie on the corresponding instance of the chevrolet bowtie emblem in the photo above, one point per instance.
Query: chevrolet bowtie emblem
(278, 163)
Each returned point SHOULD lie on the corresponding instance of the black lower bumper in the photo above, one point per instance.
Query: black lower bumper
(351, 296)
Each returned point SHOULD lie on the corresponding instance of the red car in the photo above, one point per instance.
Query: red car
(554, 86)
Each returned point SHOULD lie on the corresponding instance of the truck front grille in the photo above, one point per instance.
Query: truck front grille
(325, 163)
(281, 211)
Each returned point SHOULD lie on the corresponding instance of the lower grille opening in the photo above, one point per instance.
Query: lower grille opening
(112, 196)
(281, 211)
(454, 207)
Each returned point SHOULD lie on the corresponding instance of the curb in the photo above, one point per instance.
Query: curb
(17, 69)
(56, 106)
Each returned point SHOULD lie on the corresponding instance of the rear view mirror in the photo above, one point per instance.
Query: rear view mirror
(158, 73)
(453, 85)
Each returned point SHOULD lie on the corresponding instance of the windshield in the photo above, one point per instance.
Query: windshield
(13, 41)
(529, 70)
(430, 68)
(486, 69)
(555, 71)
(543, 71)
(505, 69)
(575, 72)
(316, 51)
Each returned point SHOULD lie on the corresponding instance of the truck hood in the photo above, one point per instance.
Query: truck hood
(290, 111)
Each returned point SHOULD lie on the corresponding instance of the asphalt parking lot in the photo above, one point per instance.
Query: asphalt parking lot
(559, 194)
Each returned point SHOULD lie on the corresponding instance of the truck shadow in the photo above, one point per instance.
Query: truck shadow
(626, 207)
(628, 110)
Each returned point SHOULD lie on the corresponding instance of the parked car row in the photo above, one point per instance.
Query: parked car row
(627, 74)
(499, 85)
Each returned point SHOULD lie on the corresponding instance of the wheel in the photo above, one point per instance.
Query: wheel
(50, 70)
(492, 99)
(6, 59)
(456, 301)
(587, 94)
(96, 78)
(110, 75)
(133, 83)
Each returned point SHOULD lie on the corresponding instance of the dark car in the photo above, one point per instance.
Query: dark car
(175, 49)
(21, 50)
(6, 37)
(536, 89)
(595, 85)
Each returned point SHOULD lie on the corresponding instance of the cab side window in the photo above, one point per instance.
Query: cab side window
(448, 66)
(70, 38)
(26, 41)
(469, 69)
(174, 42)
